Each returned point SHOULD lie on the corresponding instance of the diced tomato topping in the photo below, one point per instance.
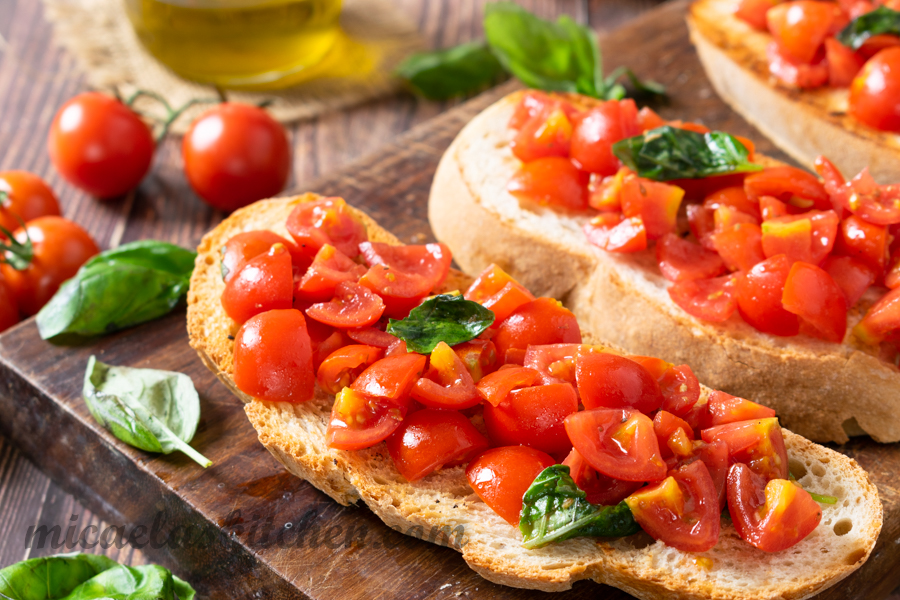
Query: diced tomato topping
(541, 321)
(605, 193)
(431, 439)
(647, 119)
(329, 268)
(534, 102)
(811, 294)
(771, 207)
(882, 321)
(680, 390)
(448, 383)
(360, 420)
(404, 275)
(853, 277)
(795, 73)
(325, 340)
(610, 381)
(391, 378)
(808, 237)
(552, 181)
(344, 365)
(759, 292)
(863, 241)
(600, 489)
(548, 133)
(862, 196)
(715, 457)
(891, 277)
(754, 12)
(740, 246)
(876, 43)
(680, 259)
(479, 357)
(843, 63)
(792, 186)
(497, 291)
(264, 283)
(501, 476)
(735, 197)
(495, 388)
(722, 408)
(654, 202)
(352, 306)
(673, 434)
(326, 221)
(757, 443)
(555, 363)
(242, 247)
(533, 416)
(707, 299)
(596, 130)
(702, 223)
(800, 26)
(371, 337)
(610, 232)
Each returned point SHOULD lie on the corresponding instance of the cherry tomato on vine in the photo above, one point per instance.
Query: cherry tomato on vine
(100, 145)
(235, 154)
(23, 197)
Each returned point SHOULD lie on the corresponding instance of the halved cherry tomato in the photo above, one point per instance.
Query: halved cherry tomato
(863, 241)
(800, 26)
(548, 133)
(681, 259)
(9, 312)
(241, 247)
(479, 357)
(853, 277)
(877, 204)
(795, 73)
(618, 443)
(533, 416)
(811, 294)
(344, 365)
(770, 516)
(843, 63)
(329, 268)
(754, 12)
(552, 181)
(792, 186)
(541, 321)
(708, 299)
(555, 363)
(673, 434)
(352, 306)
(263, 283)
(326, 221)
(447, 384)
(757, 443)
(875, 91)
(882, 321)
(680, 390)
(654, 202)
(600, 489)
(740, 246)
(495, 387)
(404, 275)
(722, 408)
(24, 197)
(273, 357)
(759, 292)
(682, 510)
(497, 291)
(501, 476)
(808, 237)
(596, 130)
(391, 378)
(372, 337)
(359, 420)
(609, 381)
(610, 232)
(430, 439)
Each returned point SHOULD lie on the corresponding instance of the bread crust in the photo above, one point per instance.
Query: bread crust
(823, 391)
(803, 123)
(295, 436)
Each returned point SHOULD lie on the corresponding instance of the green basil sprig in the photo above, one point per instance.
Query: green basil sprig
(880, 21)
(667, 153)
(78, 576)
(555, 509)
(119, 288)
(558, 56)
(156, 411)
(444, 318)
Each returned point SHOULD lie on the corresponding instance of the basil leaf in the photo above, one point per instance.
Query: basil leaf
(119, 288)
(554, 509)
(445, 318)
(880, 21)
(156, 411)
(78, 576)
(667, 153)
(444, 74)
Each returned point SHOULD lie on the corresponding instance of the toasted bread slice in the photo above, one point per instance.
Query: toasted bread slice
(295, 435)
(803, 123)
(821, 390)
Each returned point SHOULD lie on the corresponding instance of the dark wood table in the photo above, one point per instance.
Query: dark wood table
(36, 77)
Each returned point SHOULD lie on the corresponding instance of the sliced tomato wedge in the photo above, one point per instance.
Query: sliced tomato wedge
(352, 306)
(552, 181)
(771, 516)
(707, 299)
(715, 457)
(326, 221)
(862, 196)
(605, 193)
(610, 381)
(680, 259)
(882, 321)
(771, 207)
(495, 388)
(541, 321)
(610, 232)
(428, 440)
(617, 443)
(554, 362)
(359, 420)
(863, 241)
(682, 510)
(501, 476)
(548, 133)
(533, 416)
(790, 185)
(674, 435)
(329, 268)
(404, 275)
(600, 489)
(852, 276)
(479, 357)
(448, 383)
(344, 365)
(722, 408)
(808, 237)
(811, 294)
(757, 443)
(264, 283)
(497, 291)
(759, 293)
(740, 246)
(391, 378)
(372, 337)
(654, 202)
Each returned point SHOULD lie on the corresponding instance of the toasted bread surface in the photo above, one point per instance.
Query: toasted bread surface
(295, 435)
(821, 390)
(803, 123)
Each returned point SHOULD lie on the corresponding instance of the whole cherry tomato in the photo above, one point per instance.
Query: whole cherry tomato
(235, 154)
(430, 439)
(23, 197)
(501, 476)
(100, 145)
(875, 93)
(60, 247)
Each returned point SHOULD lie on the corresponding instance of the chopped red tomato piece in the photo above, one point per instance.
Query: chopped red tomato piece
(682, 510)
(371, 337)
(875, 91)
(326, 221)
(552, 181)
(264, 283)
(770, 516)
(853, 277)
(447, 384)
(496, 387)
(757, 443)
(344, 365)
(479, 357)
(605, 193)
(674, 435)
(404, 275)
(734, 196)
(680, 390)
(882, 321)
(352, 306)
(811, 294)
(541, 321)
(617, 443)
(740, 246)
(359, 420)
(324, 339)
(597, 129)
(771, 207)
(708, 299)
(754, 12)
(681, 259)
(273, 357)
(722, 408)
(792, 186)
(759, 292)
(808, 237)
(876, 204)
(702, 223)
(715, 457)
(431, 439)
(554, 362)
(497, 291)
(876, 43)
(501, 476)
(329, 268)
(795, 73)
(654, 202)
(647, 119)
(610, 381)
(843, 63)
(533, 416)
(610, 232)
(800, 26)
(242, 247)
(891, 278)
(548, 133)
(600, 489)
(533, 102)
(391, 378)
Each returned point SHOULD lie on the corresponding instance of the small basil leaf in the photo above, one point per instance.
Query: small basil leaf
(145, 582)
(444, 74)
(51, 577)
(156, 411)
(667, 153)
(641, 88)
(119, 288)
(444, 318)
(877, 22)
(554, 509)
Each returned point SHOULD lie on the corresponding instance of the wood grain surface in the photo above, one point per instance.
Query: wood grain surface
(244, 555)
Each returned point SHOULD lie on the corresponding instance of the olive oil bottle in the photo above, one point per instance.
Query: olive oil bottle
(251, 44)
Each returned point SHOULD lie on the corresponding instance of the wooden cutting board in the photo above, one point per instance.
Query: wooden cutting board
(245, 528)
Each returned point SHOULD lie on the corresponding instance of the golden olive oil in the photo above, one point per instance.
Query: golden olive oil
(258, 44)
